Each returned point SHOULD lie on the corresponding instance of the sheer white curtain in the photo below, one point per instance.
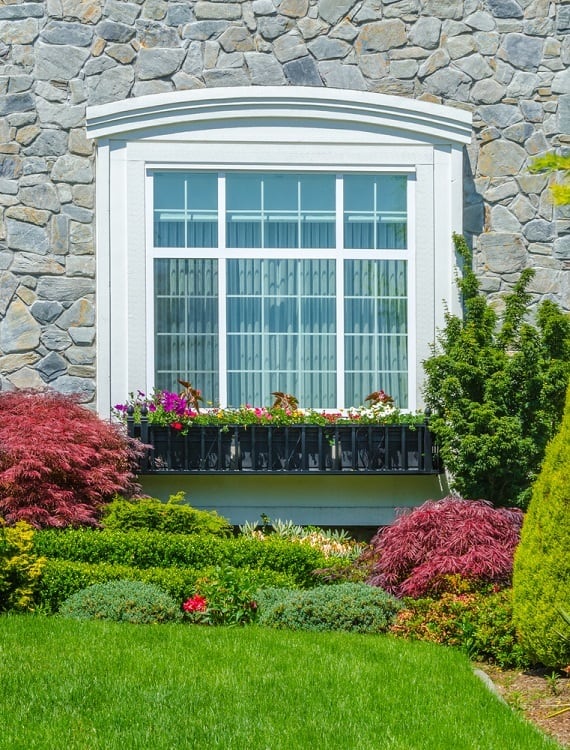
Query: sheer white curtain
(281, 323)
(375, 335)
(186, 324)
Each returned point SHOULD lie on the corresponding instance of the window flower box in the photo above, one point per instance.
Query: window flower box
(181, 439)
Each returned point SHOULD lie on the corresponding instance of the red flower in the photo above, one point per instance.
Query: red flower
(176, 425)
(196, 603)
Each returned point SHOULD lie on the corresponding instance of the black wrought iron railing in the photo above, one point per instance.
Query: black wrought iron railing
(300, 449)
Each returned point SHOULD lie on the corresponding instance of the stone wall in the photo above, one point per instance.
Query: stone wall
(506, 60)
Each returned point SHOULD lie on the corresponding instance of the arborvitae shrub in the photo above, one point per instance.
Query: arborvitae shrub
(354, 607)
(151, 514)
(20, 568)
(450, 537)
(122, 601)
(496, 389)
(541, 584)
(59, 461)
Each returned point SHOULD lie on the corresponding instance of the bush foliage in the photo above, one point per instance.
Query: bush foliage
(122, 601)
(497, 391)
(225, 596)
(541, 582)
(480, 625)
(442, 538)
(20, 568)
(353, 607)
(59, 462)
(151, 514)
(62, 578)
(152, 549)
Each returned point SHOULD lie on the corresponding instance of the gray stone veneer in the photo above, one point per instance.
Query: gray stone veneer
(505, 60)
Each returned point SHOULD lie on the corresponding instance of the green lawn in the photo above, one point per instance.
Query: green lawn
(87, 685)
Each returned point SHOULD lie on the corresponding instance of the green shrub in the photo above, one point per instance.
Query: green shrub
(154, 549)
(480, 625)
(541, 577)
(62, 578)
(225, 596)
(20, 568)
(497, 391)
(345, 606)
(151, 514)
(122, 601)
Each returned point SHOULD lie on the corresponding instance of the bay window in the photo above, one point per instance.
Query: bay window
(260, 239)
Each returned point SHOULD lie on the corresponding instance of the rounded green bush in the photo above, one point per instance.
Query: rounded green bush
(541, 576)
(174, 517)
(354, 607)
(122, 601)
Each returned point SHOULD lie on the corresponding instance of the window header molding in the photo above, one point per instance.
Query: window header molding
(297, 104)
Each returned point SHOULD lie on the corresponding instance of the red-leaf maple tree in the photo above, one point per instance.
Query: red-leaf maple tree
(441, 538)
(59, 462)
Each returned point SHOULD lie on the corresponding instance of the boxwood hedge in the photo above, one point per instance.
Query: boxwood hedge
(154, 549)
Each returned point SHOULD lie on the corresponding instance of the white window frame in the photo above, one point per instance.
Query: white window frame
(268, 129)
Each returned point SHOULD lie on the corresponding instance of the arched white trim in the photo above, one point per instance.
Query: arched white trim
(218, 105)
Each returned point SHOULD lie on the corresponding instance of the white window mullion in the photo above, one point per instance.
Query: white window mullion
(150, 322)
(300, 335)
(222, 292)
(340, 364)
(186, 213)
(299, 215)
(262, 210)
(411, 301)
(221, 211)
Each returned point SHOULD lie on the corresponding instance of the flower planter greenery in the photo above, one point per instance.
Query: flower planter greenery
(372, 439)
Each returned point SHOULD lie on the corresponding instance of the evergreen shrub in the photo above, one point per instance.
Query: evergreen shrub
(541, 582)
(151, 514)
(20, 568)
(497, 390)
(148, 549)
(418, 553)
(122, 601)
(354, 607)
(59, 461)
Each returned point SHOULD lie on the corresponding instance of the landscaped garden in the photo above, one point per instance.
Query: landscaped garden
(130, 622)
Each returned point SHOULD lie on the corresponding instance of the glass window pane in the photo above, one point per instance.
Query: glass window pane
(186, 324)
(282, 333)
(169, 190)
(286, 211)
(317, 194)
(375, 212)
(243, 210)
(244, 314)
(185, 209)
(280, 192)
(376, 325)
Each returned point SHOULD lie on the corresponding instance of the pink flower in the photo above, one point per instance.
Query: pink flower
(176, 425)
(196, 603)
